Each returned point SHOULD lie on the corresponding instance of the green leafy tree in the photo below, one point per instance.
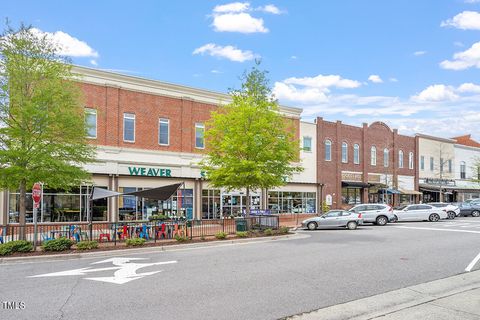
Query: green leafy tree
(42, 126)
(250, 145)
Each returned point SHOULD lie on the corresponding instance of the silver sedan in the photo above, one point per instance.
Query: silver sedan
(334, 219)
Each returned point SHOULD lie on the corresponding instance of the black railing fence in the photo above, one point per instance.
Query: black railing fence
(151, 231)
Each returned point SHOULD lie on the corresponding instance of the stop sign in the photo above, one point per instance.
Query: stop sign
(37, 192)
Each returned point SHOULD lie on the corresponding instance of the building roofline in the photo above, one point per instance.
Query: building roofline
(141, 84)
(425, 136)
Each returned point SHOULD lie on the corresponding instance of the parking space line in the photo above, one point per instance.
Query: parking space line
(438, 229)
(472, 264)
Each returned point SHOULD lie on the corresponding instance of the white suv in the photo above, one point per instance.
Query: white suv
(376, 213)
(452, 211)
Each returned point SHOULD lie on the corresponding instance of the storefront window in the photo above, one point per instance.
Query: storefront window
(135, 208)
(60, 206)
(351, 196)
(291, 202)
(210, 204)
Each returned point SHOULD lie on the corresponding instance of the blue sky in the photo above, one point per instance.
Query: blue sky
(412, 64)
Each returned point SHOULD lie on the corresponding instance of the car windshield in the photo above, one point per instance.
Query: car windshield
(438, 205)
(401, 207)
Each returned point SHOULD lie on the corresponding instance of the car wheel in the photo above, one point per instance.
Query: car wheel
(475, 213)
(312, 226)
(381, 220)
(395, 218)
(434, 217)
(451, 215)
(352, 225)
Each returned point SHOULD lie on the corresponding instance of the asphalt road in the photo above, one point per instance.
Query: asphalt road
(266, 280)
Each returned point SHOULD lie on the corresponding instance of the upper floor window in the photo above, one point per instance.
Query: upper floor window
(307, 144)
(344, 152)
(129, 127)
(386, 159)
(356, 153)
(410, 160)
(373, 156)
(442, 163)
(199, 135)
(91, 122)
(463, 170)
(432, 164)
(164, 132)
(328, 150)
(400, 159)
(450, 165)
(422, 162)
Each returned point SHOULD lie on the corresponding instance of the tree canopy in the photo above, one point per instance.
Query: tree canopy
(250, 144)
(42, 126)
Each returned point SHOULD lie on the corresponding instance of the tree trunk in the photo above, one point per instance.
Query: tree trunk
(247, 204)
(22, 209)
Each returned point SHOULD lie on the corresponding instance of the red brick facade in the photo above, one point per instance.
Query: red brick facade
(111, 103)
(183, 113)
(378, 134)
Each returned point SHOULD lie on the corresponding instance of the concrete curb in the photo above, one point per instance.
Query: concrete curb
(155, 249)
(393, 301)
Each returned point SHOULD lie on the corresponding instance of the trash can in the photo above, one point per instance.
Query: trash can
(241, 224)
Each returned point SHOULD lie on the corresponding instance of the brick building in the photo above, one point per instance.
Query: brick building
(364, 164)
(149, 134)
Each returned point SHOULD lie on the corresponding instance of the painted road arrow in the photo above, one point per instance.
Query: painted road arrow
(126, 270)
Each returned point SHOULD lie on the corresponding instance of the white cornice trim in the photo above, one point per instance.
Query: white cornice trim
(427, 137)
(139, 84)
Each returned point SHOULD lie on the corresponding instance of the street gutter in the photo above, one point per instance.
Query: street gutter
(153, 249)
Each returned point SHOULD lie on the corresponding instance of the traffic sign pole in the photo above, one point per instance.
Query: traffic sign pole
(36, 196)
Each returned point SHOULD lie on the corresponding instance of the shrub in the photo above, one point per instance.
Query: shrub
(6, 249)
(134, 242)
(284, 229)
(202, 238)
(60, 244)
(87, 245)
(242, 234)
(21, 246)
(268, 232)
(325, 207)
(180, 238)
(221, 235)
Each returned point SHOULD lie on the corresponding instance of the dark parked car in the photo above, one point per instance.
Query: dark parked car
(469, 209)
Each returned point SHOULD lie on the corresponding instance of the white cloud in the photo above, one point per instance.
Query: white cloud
(232, 7)
(464, 59)
(227, 52)
(270, 8)
(375, 78)
(216, 71)
(94, 62)
(323, 82)
(294, 57)
(283, 91)
(472, 1)
(466, 20)
(458, 44)
(393, 79)
(435, 93)
(419, 53)
(67, 45)
(238, 22)
(469, 88)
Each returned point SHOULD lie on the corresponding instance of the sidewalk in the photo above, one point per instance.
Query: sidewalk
(452, 298)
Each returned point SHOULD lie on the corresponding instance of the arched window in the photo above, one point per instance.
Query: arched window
(410, 160)
(356, 153)
(328, 150)
(385, 157)
(344, 152)
(400, 159)
(373, 156)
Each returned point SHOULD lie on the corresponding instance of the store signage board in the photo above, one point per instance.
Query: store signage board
(149, 172)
